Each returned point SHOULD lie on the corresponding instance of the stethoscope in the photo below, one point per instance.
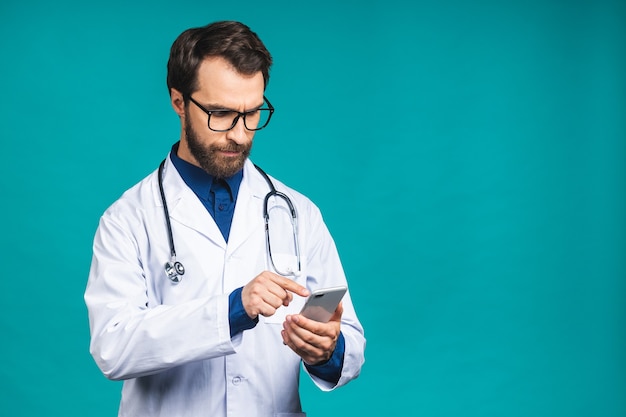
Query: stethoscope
(175, 269)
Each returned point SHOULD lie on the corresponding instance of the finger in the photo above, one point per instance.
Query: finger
(279, 292)
(309, 354)
(275, 301)
(268, 282)
(299, 338)
(310, 331)
(264, 305)
(263, 296)
(289, 285)
(275, 284)
(298, 326)
(310, 347)
(338, 313)
(288, 299)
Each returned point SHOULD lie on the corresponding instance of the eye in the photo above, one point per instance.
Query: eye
(222, 114)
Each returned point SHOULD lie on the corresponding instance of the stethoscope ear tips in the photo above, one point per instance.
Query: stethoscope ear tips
(174, 271)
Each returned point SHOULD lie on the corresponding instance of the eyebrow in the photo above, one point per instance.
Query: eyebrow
(214, 106)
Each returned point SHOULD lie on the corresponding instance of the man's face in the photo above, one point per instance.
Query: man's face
(220, 154)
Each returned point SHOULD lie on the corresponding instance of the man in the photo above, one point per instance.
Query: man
(221, 335)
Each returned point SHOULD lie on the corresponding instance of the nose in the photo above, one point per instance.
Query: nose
(239, 133)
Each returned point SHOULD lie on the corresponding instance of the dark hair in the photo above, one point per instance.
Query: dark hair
(233, 41)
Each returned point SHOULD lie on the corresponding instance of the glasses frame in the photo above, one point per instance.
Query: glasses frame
(236, 119)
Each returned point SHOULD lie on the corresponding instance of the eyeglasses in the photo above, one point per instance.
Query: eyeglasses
(223, 120)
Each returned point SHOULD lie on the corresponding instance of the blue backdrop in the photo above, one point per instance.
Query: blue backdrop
(469, 159)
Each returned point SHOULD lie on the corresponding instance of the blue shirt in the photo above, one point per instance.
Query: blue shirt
(219, 197)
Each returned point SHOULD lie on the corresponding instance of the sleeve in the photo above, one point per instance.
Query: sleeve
(130, 337)
(331, 369)
(324, 269)
(237, 316)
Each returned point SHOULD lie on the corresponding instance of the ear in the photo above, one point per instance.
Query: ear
(178, 102)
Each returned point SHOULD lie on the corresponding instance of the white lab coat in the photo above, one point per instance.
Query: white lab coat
(171, 342)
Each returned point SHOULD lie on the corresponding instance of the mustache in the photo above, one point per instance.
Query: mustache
(232, 147)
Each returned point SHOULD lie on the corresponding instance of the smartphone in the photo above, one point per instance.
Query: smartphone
(321, 304)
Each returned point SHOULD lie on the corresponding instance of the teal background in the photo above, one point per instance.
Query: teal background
(469, 159)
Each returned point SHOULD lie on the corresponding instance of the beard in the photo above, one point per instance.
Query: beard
(210, 160)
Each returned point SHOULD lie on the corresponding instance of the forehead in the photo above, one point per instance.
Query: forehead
(220, 83)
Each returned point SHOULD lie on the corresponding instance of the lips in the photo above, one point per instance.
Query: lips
(235, 150)
(229, 152)
(232, 151)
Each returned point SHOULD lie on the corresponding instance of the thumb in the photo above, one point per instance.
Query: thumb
(338, 313)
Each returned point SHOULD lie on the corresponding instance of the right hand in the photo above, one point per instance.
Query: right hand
(267, 292)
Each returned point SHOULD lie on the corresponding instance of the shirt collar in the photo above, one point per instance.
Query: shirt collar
(198, 180)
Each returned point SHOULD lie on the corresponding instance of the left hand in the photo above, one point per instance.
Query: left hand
(313, 341)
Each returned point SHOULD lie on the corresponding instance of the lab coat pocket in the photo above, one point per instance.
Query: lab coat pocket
(282, 312)
(286, 261)
(285, 264)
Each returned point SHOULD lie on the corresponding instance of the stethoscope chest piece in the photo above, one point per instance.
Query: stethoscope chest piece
(175, 271)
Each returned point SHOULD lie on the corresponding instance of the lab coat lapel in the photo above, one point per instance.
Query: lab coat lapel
(185, 207)
(248, 216)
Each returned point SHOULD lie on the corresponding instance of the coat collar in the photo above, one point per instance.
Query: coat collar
(186, 209)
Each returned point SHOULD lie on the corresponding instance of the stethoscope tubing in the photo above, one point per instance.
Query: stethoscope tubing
(174, 269)
(166, 211)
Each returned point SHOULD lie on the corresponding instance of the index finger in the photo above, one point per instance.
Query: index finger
(290, 285)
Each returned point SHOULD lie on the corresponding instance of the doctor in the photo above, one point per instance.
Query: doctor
(218, 333)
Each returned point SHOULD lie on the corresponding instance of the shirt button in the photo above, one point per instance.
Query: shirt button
(221, 207)
(236, 380)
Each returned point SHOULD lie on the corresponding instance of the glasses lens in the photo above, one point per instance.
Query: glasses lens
(222, 120)
(257, 119)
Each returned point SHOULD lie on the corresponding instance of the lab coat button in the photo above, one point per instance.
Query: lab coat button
(236, 380)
